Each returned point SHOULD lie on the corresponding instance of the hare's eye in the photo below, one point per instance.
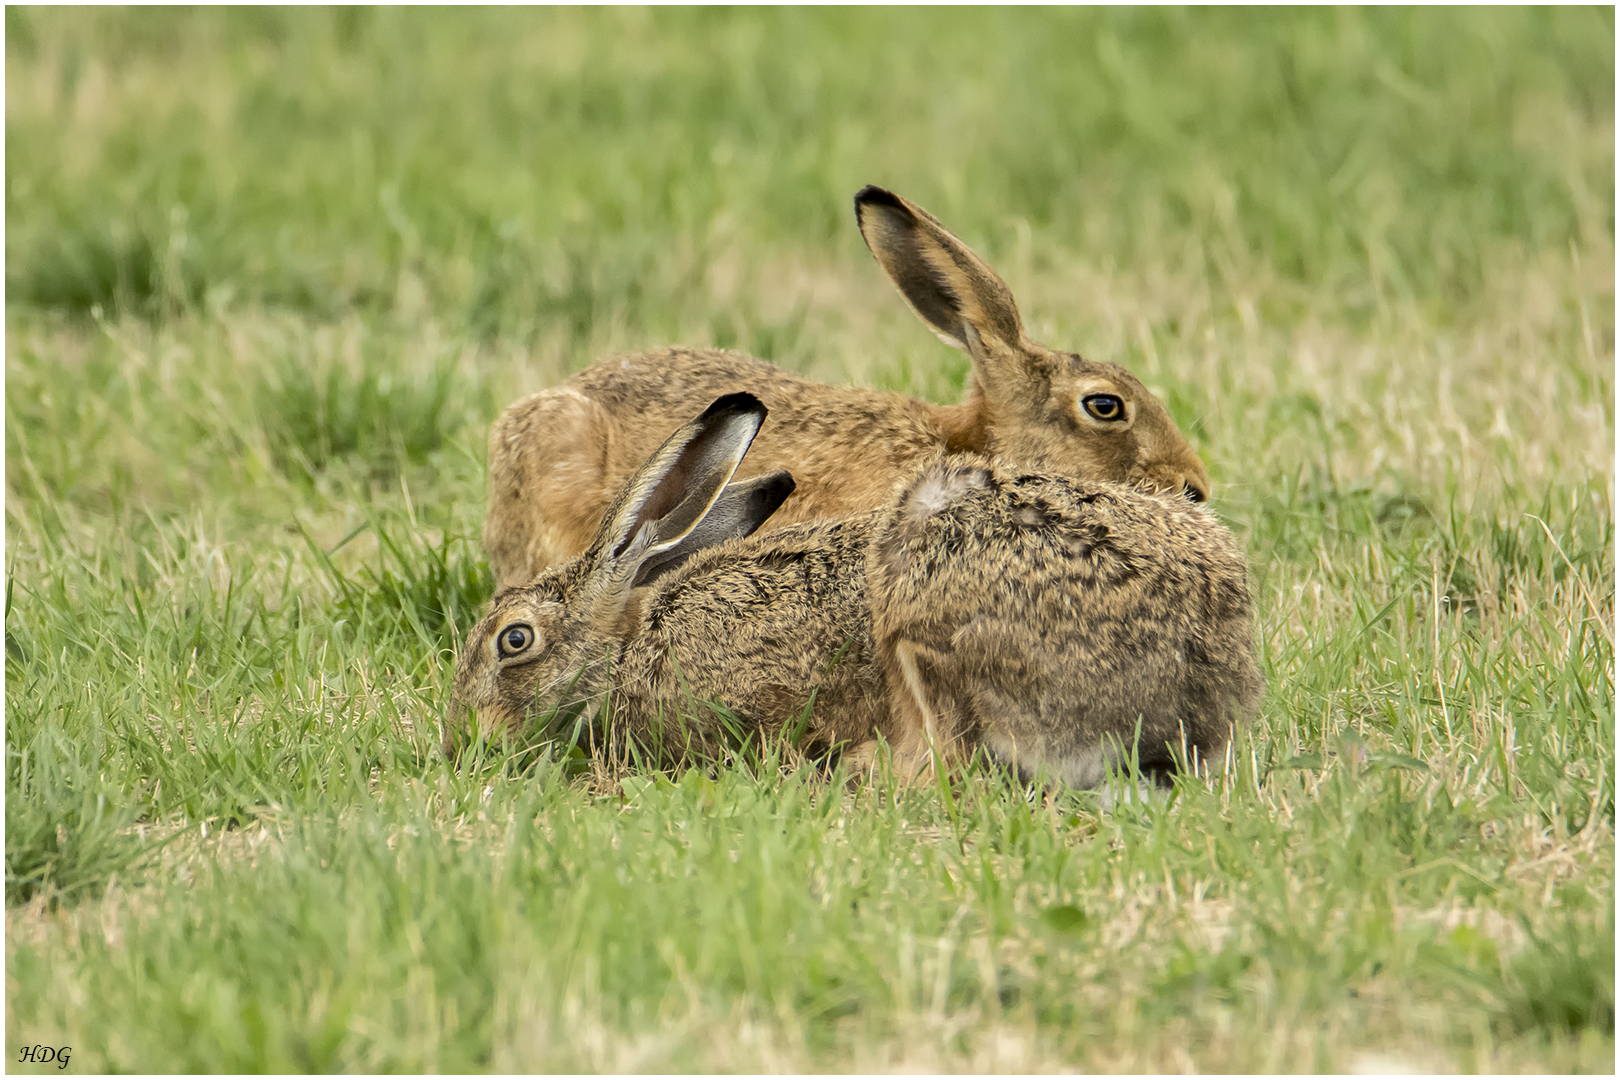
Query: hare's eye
(515, 638)
(1104, 407)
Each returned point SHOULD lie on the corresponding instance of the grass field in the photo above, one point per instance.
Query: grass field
(270, 275)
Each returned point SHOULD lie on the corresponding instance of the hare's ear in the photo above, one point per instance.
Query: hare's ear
(741, 508)
(953, 290)
(673, 491)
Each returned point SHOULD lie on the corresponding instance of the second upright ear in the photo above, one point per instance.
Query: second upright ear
(740, 508)
(947, 285)
(674, 489)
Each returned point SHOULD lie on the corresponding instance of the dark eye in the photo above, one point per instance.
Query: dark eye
(1104, 407)
(516, 638)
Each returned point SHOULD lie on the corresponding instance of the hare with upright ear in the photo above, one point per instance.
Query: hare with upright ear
(1052, 621)
(557, 458)
(1060, 624)
(662, 615)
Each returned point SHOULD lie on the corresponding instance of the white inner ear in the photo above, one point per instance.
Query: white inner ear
(972, 342)
(616, 577)
(640, 542)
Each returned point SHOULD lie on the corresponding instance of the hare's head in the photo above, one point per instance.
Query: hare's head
(552, 643)
(1049, 411)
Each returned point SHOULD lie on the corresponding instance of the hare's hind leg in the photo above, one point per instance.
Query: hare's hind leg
(549, 482)
(928, 724)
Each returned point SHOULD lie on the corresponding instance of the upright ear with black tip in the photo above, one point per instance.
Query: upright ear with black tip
(673, 491)
(741, 508)
(949, 287)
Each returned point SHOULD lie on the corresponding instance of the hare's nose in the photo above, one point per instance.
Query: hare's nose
(1194, 490)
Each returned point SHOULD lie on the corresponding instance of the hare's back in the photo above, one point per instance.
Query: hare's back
(1066, 611)
(762, 623)
(1056, 545)
(557, 458)
(846, 446)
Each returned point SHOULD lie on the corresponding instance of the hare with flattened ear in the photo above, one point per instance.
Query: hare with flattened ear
(1061, 624)
(557, 458)
(665, 613)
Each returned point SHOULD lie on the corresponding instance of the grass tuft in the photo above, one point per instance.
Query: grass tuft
(426, 595)
(313, 418)
(64, 840)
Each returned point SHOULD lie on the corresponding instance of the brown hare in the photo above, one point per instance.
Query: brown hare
(557, 458)
(1056, 623)
(651, 622)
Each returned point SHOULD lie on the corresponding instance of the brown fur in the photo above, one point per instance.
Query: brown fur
(556, 458)
(1044, 618)
(1040, 617)
(759, 625)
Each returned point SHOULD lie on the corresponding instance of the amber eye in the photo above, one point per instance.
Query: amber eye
(515, 638)
(1104, 407)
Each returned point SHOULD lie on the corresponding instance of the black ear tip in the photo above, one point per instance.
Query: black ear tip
(872, 195)
(739, 402)
(771, 492)
(780, 485)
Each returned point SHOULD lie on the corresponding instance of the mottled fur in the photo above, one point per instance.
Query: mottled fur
(757, 624)
(557, 458)
(1043, 618)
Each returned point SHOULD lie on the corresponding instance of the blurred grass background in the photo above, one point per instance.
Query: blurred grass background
(537, 167)
(271, 272)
